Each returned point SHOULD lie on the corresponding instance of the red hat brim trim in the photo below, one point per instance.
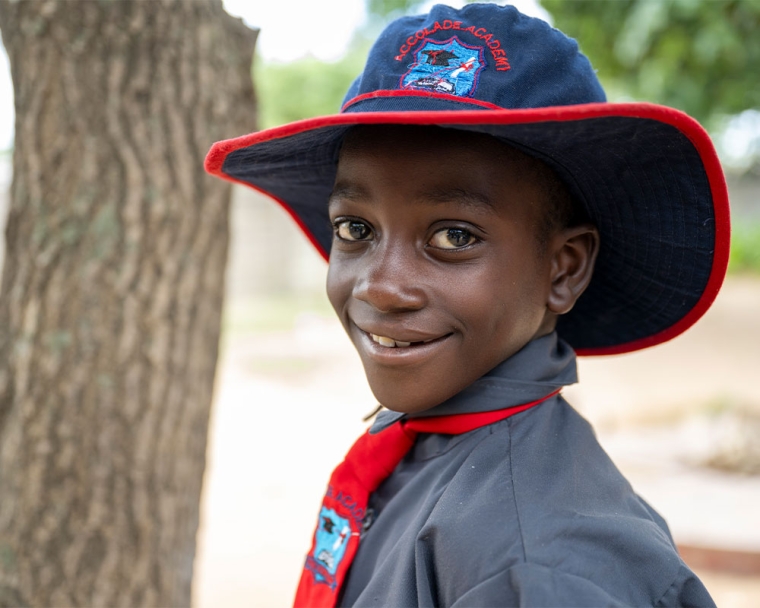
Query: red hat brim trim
(689, 127)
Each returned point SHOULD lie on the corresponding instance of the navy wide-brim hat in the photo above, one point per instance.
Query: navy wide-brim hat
(647, 175)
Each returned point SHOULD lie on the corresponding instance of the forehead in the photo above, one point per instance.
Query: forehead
(441, 146)
(434, 164)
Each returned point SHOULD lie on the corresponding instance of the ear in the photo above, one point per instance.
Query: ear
(574, 254)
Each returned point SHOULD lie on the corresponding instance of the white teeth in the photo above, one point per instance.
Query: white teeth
(389, 342)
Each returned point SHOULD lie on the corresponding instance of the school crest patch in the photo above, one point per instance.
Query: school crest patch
(331, 539)
(450, 67)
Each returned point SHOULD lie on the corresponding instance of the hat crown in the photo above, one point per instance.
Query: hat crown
(482, 55)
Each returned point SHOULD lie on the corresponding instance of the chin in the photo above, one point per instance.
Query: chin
(407, 401)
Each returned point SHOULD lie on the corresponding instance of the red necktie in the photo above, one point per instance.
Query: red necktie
(369, 461)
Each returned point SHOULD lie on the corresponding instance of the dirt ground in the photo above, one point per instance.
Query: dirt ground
(289, 403)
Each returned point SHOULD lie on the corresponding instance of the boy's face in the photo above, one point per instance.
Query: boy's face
(435, 271)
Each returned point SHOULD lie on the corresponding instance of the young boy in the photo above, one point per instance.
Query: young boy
(487, 216)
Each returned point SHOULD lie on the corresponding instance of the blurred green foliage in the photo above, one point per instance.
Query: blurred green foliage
(701, 56)
(389, 8)
(305, 87)
(745, 248)
(310, 87)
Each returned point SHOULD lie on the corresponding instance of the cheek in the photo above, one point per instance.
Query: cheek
(338, 285)
(502, 303)
(479, 291)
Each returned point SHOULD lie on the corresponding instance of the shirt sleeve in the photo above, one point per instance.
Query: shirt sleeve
(686, 590)
(534, 585)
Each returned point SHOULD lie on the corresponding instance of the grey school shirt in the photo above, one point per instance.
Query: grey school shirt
(529, 511)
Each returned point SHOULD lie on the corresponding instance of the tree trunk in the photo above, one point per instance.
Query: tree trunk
(112, 292)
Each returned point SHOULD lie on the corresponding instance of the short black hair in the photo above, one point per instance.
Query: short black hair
(561, 208)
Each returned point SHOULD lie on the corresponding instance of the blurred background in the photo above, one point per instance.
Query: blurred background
(681, 420)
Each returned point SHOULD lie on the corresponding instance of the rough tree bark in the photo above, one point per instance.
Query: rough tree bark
(111, 293)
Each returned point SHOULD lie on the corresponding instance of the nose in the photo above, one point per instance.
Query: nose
(390, 281)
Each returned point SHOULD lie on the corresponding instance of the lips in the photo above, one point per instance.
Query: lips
(403, 347)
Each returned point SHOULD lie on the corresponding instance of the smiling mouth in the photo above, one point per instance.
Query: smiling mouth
(391, 343)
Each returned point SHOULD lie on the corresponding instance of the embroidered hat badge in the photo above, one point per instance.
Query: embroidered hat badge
(450, 67)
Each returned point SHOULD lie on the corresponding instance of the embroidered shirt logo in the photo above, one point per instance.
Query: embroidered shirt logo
(450, 67)
(331, 539)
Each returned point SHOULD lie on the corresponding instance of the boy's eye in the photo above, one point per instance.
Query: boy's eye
(452, 238)
(353, 230)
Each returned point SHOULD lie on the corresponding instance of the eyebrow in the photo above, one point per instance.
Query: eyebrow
(350, 192)
(466, 198)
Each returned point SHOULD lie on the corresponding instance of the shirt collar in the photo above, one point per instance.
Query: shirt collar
(541, 366)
